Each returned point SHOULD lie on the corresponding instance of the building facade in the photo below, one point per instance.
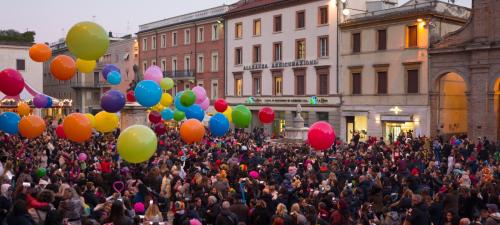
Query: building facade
(464, 77)
(284, 53)
(188, 48)
(385, 67)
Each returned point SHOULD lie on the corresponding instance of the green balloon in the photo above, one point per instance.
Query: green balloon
(137, 144)
(188, 98)
(242, 117)
(167, 83)
(179, 115)
(41, 172)
(87, 40)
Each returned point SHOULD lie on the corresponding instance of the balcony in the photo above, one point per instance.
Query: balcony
(88, 85)
(179, 74)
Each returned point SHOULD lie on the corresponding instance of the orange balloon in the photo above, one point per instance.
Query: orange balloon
(63, 67)
(23, 109)
(31, 126)
(40, 52)
(192, 130)
(77, 127)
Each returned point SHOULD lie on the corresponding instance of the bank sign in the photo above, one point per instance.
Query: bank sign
(275, 65)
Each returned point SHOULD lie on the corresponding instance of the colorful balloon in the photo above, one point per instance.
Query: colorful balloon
(109, 68)
(158, 108)
(11, 82)
(242, 117)
(91, 118)
(87, 40)
(106, 122)
(148, 93)
(77, 127)
(114, 77)
(167, 83)
(63, 67)
(23, 109)
(9, 123)
(220, 105)
(31, 126)
(154, 117)
(82, 156)
(266, 115)
(195, 112)
(160, 129)
(166, 99)
(205, 104)
(167, 114)
(188, 98)
(137, 144)
(85, 66)
(112, 101)
(218, 125)
(179, 115)
(254, 174)
(153, 73)
(130, 96)
(49, 102)
(321, 135)
(40, 101)
(40, 52)
(192, 131)
(200, 93)
(41, 172)
(229, 113)
(60, 131)
(177, 102)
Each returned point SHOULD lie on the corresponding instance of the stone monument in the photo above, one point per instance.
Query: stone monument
(133, 114)
(298, 132)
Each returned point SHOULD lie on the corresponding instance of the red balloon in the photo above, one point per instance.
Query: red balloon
(321, 135)
(130, 96)
(160, 129)
(220, 105)
(154, 117)
(266, 115)
(11, 82)
(60, 131)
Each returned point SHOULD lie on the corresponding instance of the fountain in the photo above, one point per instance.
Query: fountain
(298, 132)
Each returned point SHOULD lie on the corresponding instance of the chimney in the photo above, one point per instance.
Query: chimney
(110, 34)
(377, 5)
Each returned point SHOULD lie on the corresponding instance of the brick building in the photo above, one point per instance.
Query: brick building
(188, 48)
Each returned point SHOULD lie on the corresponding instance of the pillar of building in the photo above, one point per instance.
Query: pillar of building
(434, 120)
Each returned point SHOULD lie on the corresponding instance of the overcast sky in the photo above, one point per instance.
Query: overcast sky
(51, 19)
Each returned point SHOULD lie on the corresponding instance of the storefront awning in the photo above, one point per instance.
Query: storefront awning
(397, 118)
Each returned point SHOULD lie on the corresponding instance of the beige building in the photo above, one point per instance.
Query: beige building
(384, 66)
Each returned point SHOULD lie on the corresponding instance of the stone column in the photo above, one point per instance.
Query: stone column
(334, 118)
(492, 117)
(434, 105)
(133, 115)
(478, 115)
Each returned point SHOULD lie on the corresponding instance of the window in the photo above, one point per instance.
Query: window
(322, 116)
(20, 64)
(174, 64)
(301, 20)
(153, 62)
(187, 36)
(323, 46)
(187, 63)
(163, 40)
(215, 89)
(238, 56)
(201, 34)
(256, 27)
(300, 49)
(382, 82)
(153, 42)
(412, 81)
(200, 63)
(382, 39)
(215, 62)
(215, 32)
(277, 23)
(238, 85)
(277, 51)
(323, 15)
(300, 84)
(278, 85)
(356, 42)
(144, 44)
(412, 37)
(323, 84)
(174, 39)
(257, 84)
(238, 30)
(163, 65)
(256, 54)
(356, 83)
(144, 66)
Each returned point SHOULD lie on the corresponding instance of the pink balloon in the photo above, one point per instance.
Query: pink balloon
(153, 73)
(321, 135)
(254, 174)
(200, 93)
(205, 104)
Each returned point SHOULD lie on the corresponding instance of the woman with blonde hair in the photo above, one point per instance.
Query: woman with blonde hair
(153, 214)
(281, 216)
(297, 217)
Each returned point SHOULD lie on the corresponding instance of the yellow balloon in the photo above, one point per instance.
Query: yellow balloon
(166, 99)
(91, 118)
(229, 114)
(137, 144)
(23, 109)
(85, 66)
(158, 108)
(106, 122)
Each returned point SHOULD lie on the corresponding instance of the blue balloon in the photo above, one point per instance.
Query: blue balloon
(218, 125)
(195, 112)
(112, 101)
(177, 102)
(148, 93)
(9, 122)
(167, 114)
(114, 77)
(107, 69)
(49, 102)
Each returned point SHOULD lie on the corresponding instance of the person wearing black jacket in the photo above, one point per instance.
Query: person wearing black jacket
(419, 213)
(212, 211)
(226, 217)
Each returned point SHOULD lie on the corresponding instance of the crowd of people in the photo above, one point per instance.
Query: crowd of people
(244, 178)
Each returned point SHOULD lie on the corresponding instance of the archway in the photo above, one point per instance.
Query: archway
(453, 105)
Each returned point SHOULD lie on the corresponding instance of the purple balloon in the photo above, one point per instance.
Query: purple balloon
(40, 101)
(112, 101)
(107, 69)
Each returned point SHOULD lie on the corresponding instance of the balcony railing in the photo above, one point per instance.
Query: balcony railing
(179, 74)
(89, 85)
